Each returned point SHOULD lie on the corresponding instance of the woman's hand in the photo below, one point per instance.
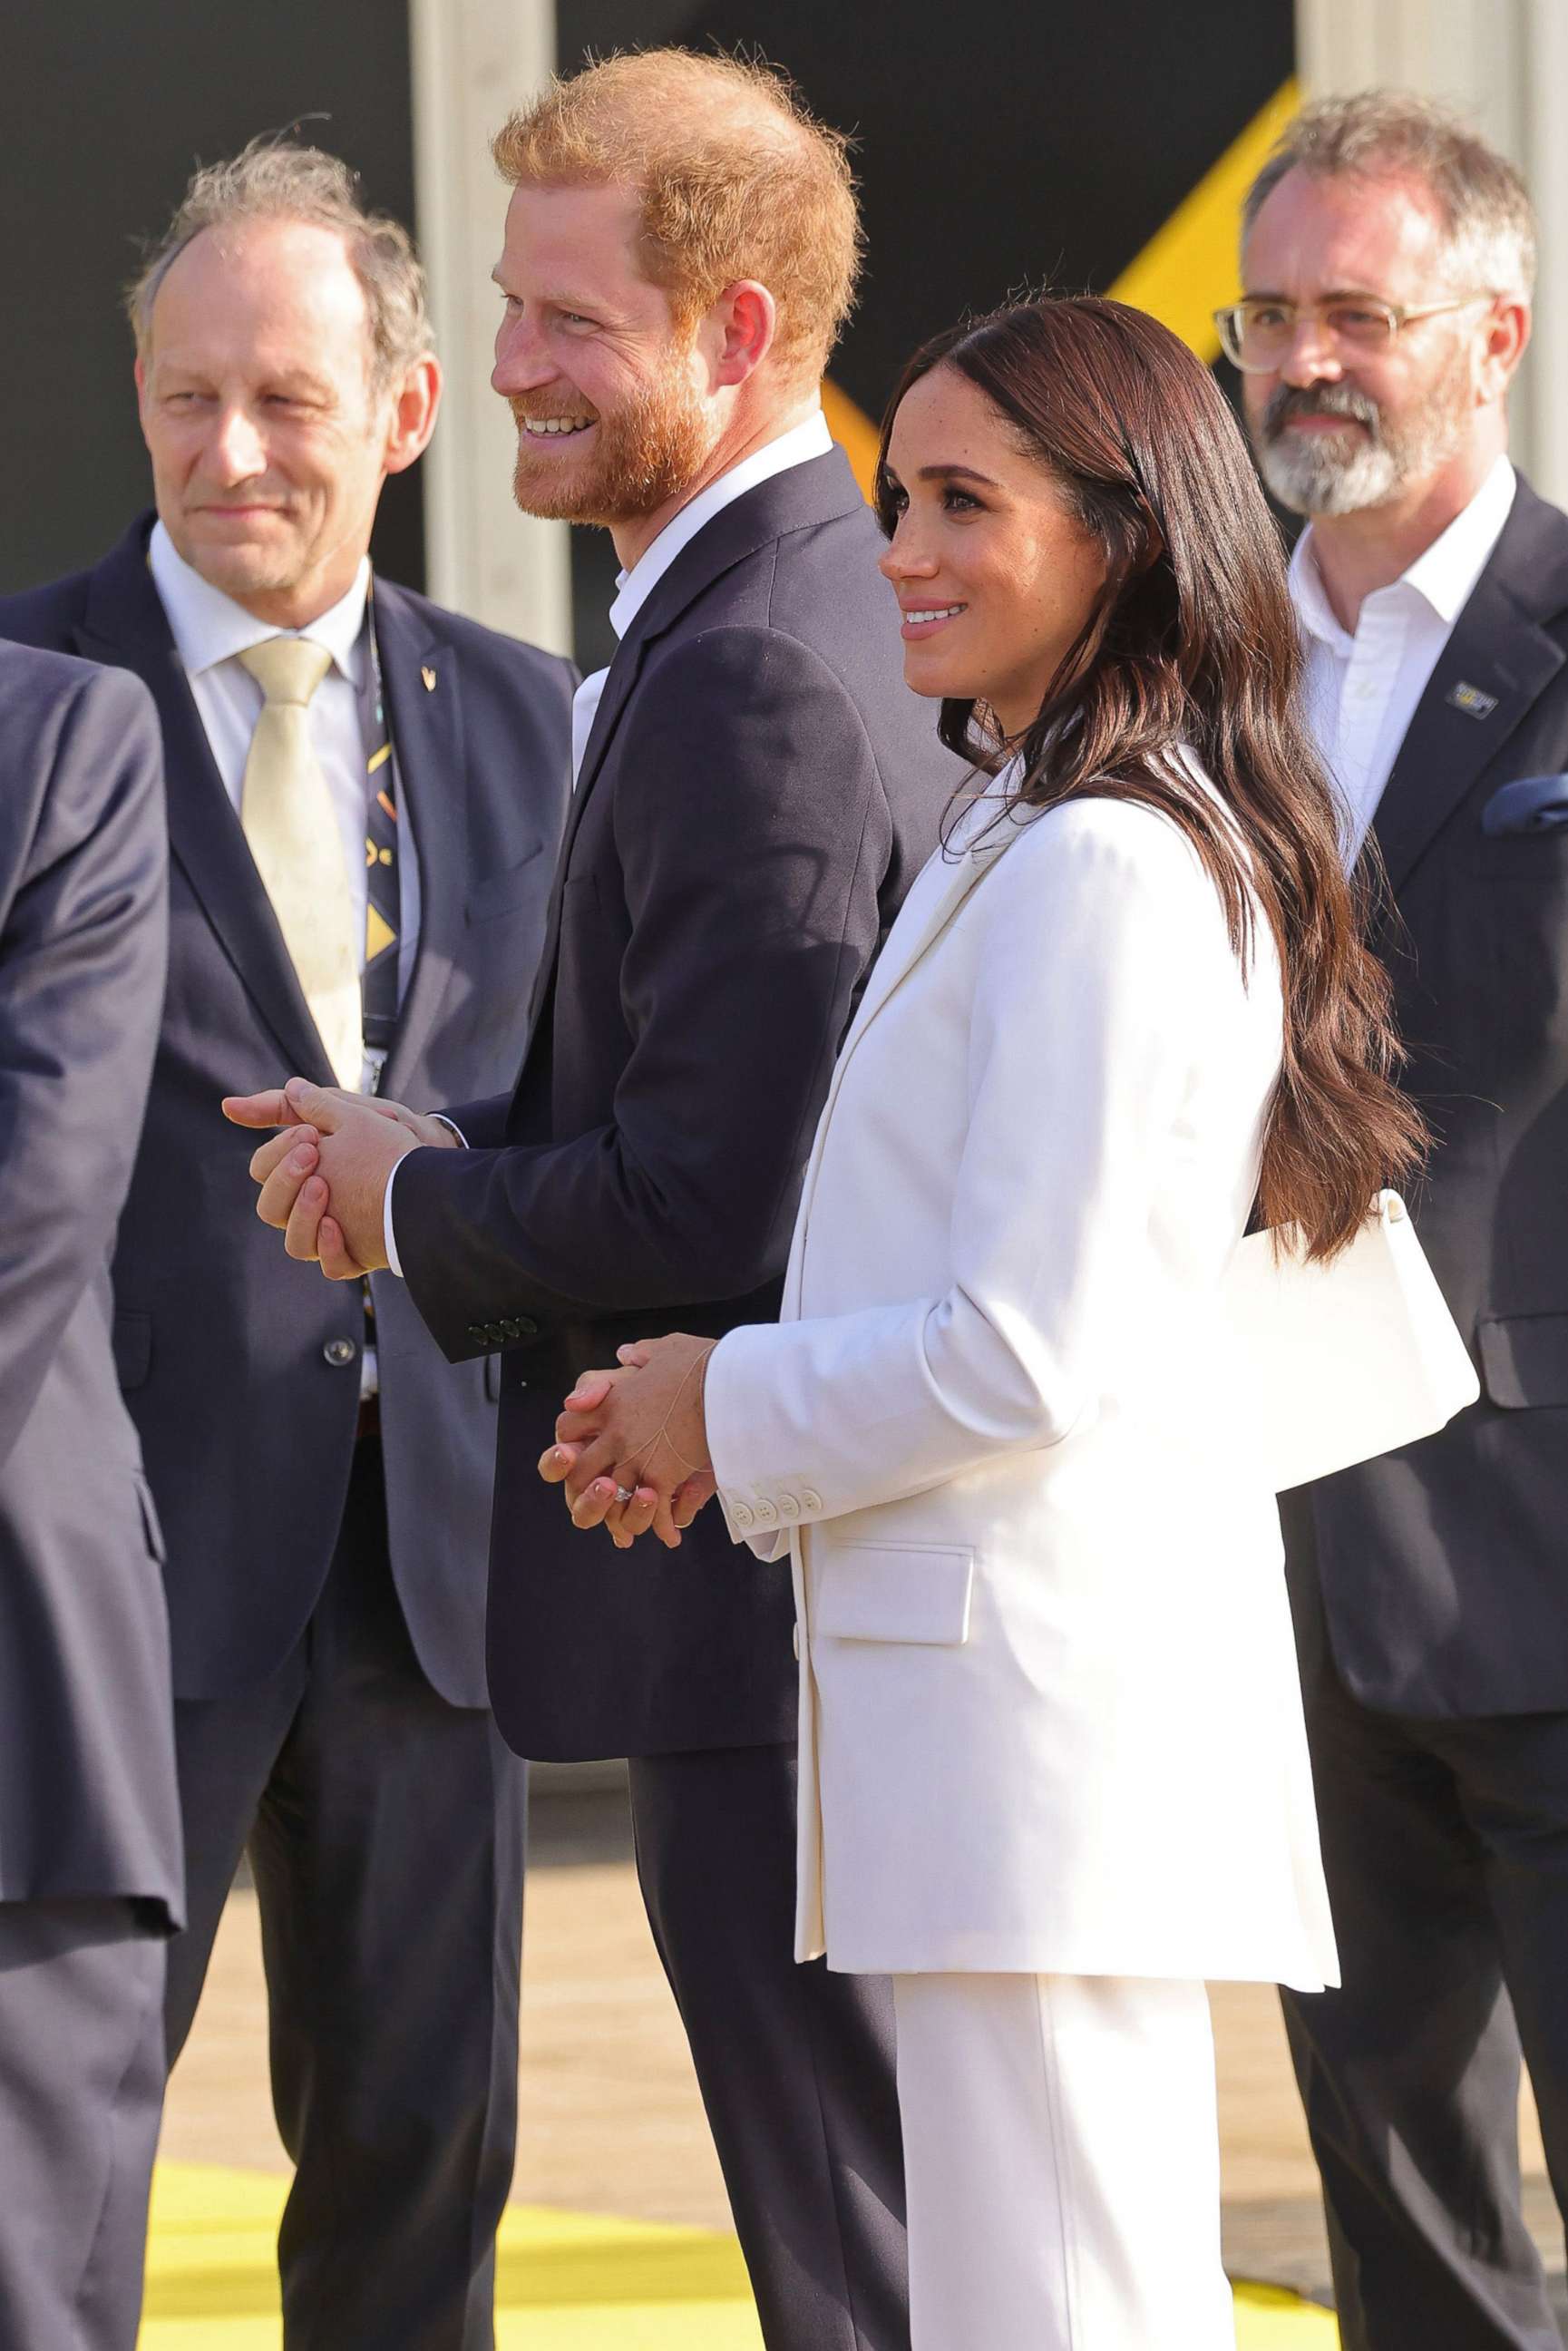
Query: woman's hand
(637, 1433)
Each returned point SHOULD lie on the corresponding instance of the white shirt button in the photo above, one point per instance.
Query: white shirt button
(811, 1498)
(795, 1641)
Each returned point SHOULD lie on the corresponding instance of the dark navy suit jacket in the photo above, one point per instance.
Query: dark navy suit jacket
(230, 1355)
(1441, 1568)
(758, 792)
(88, 1800)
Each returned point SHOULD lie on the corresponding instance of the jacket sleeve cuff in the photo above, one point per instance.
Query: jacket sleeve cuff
(760, 1520)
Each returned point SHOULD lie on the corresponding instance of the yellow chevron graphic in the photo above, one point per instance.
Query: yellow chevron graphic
(1187, 269)
(1185, 273)
(378, 934)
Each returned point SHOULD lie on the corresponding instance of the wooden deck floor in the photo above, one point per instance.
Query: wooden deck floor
(610, 2118)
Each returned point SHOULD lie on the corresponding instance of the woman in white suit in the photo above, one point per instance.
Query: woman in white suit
(1053, 1772)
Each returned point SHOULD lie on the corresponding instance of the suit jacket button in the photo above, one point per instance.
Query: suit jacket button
(338, 1352)
(479, 1333)
(511, 1329)
(811, 1498)
(795, 1641)
(741, 1513)
(525, 1327)
(789, 1507)
(767, 1513)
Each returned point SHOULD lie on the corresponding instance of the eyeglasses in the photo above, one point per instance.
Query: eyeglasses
(1258, 333)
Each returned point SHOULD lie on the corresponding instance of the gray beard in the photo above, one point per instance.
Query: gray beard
(1313, 477)
(1318, 478)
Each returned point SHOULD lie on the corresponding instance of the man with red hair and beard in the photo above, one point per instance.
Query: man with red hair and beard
(755, 789)
(1388, 256)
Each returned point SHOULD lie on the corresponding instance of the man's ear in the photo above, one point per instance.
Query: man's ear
(414, 407)
(1507, 340)
(744, 322)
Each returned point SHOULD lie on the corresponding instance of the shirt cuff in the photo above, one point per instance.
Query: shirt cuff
(389, 1239)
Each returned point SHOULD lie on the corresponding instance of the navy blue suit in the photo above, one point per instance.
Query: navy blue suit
(327, 1587)
(759, 789)
(1429, 1585)
(90, 1874)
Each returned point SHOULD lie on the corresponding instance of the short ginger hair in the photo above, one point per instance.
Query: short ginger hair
(736, 180)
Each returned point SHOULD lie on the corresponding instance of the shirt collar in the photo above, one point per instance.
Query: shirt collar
(1443, 575)
(810, 438)
(209, 627)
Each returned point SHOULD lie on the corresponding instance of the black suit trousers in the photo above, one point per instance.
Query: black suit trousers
(386, 1831)
(1446, 1849)
(795, 2065)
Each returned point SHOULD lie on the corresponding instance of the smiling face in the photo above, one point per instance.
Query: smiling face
(1337, 430)
(268, 442)
(995, 578)
(613, 404)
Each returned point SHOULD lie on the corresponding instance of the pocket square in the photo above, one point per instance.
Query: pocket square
(1533, 804)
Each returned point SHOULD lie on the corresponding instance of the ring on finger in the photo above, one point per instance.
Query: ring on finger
(625, 1493)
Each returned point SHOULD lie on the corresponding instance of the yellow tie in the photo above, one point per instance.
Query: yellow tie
(286, 810)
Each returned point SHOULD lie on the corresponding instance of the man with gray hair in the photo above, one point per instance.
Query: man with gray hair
(365, 794)
(1388, 256)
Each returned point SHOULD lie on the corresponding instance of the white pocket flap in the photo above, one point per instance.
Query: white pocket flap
(893, 1592)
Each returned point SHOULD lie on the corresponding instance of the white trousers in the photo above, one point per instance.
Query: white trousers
(1062, 2154)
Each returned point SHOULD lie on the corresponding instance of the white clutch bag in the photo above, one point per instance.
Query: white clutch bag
(1342, 1362)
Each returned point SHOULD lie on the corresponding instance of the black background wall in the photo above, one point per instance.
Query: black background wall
(105, 106)
(1000, 143)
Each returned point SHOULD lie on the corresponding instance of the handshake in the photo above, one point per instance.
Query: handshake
(630, 1447)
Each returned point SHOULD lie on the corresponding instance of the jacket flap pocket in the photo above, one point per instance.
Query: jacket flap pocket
(1524, 1358)
(497, 894)
(893, 1592)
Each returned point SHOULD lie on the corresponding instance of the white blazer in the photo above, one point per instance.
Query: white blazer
(1049, 1714)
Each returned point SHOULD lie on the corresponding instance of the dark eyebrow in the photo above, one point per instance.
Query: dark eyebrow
(955, 474)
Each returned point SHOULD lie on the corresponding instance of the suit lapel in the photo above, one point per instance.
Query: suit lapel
(940, 889)
(618, 687)
(425, 721)
(124, 626)
(1498, 647)
(820, 491)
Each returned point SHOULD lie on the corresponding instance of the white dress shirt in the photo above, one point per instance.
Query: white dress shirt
(1362, 686)
(210, 633)
(809, 439)
(797, 446)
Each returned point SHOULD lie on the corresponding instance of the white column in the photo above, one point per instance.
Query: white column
(1504, 64)
(473, 61)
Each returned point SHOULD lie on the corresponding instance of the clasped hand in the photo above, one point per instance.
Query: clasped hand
(324, 1177)
(631, 1446)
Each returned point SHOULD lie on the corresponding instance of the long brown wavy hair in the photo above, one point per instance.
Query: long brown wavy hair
(1193, 641)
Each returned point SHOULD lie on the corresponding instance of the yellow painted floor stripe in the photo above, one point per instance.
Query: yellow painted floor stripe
(566, 2280)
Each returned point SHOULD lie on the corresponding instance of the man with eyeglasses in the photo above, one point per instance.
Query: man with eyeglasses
(1388, 260)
